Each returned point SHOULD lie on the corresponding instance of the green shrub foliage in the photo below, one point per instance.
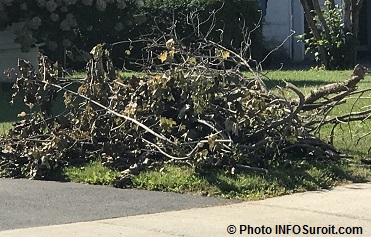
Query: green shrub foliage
(334, 43)
(77, 25)
(334, 30)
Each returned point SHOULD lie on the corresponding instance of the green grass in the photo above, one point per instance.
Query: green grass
(248, 185)
(4, 127)
(305, 80)
(348, 138)
(243, 186)
(92, 173)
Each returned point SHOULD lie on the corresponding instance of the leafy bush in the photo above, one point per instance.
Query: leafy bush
(69, 24)
(334, 32)
(77, 26)
(333, 42)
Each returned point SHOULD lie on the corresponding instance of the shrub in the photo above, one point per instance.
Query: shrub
(333, 42)
(334, 32)
(79, 25)
(69, 24)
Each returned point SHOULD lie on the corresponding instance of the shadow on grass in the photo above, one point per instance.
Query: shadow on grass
(354, 152)
(283, 180)
(299, 83)
(57, 175)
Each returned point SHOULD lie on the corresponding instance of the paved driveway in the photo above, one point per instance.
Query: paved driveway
(30, 203)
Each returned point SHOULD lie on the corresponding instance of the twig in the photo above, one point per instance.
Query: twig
(257, 145)
(277, 48)
(212, 127)
(291, 115)
(112, 112)
(242, 60)
(170, 156)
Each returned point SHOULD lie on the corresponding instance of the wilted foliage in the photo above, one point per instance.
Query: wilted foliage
(193, 113)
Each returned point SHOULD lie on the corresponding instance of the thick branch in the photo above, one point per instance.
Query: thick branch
(348, 85)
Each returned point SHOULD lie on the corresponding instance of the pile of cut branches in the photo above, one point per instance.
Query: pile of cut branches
(193, 113)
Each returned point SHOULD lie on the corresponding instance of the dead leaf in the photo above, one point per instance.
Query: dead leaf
(163, 56)
(170, 44)
(22, 114)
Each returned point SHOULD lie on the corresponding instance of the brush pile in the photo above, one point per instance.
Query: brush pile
(194, 112)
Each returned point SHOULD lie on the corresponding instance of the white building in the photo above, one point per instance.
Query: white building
(282, 19)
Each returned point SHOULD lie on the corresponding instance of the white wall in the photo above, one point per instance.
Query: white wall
(10, 52)
(281, 17)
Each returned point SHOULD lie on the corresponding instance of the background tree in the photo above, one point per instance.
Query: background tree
(72, 25)
(334, 31)
(76, 26)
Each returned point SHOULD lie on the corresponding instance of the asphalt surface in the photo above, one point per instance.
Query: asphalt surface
(344, 209)
(31, 203)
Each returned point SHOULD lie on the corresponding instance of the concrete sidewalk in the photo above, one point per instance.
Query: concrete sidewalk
(346, 206)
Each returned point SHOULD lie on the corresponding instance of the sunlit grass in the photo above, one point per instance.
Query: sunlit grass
(349, 138)
(92, 173)
(4, 127)
(250, 185)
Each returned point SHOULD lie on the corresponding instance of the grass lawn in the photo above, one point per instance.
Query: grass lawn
(348, 138)
(249, 185)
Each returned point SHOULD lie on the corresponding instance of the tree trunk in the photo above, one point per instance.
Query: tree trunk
(318, 11)
(352, 10)
(315, 30)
